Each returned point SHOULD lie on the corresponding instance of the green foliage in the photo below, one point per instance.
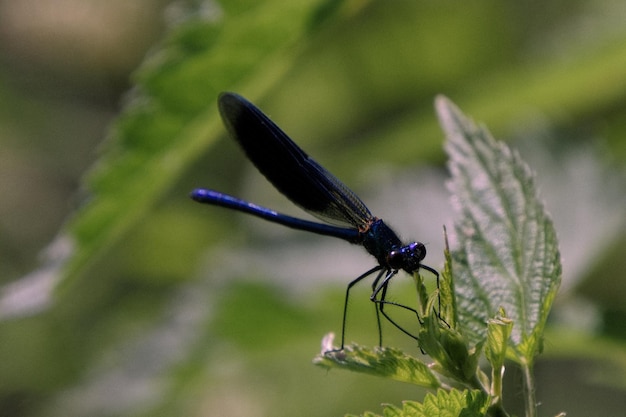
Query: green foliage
(508, 257)
(358, 77)
(506, 260)
(386, 362)
(441, 404)
(170, 117)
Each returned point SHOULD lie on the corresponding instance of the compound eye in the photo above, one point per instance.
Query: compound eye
(418, 250)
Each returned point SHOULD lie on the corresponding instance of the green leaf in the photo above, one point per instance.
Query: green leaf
(442, 404)
(498, 332)
(171, 118)
(446, 288)
(450, 351)
(506, 253)
(385, 362)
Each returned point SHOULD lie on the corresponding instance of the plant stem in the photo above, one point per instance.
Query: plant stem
(529, 390)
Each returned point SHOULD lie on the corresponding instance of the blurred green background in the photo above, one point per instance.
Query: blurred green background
(191, 310)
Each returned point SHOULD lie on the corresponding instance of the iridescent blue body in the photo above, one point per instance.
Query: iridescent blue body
(313, 188)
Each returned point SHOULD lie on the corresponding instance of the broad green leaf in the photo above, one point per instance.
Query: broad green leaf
(506, 254)
(170, 118)
(386, 362)
(442, 404)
